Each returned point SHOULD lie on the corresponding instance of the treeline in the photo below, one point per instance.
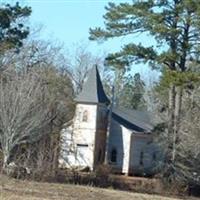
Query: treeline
(36, 95)
(38, 83)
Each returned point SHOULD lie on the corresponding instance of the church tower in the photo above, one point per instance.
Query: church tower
(90, 123)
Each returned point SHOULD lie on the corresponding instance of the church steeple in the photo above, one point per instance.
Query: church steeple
(93, 91)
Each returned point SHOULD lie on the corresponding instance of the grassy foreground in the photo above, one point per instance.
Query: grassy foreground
(11, 189)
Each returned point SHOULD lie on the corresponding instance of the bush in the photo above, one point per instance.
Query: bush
(102, 173)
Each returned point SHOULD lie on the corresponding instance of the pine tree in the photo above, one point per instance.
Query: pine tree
(138, 101)
(12, 28)
(132, 94)
(175, 26)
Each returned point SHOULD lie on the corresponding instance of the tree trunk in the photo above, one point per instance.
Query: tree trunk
(172, 95)
(177, 113)
(106, 157)
(175, 102)
(6, 159)
(55, 153)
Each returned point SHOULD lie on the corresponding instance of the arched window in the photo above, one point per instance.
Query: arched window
(85, 116)
(141, 157)
(154, 157)
(113, 157)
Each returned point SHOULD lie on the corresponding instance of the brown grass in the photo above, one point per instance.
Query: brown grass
(11, 189)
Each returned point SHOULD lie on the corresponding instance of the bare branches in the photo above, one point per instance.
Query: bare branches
(24, 109)
(185, 146)
(35, 96)
(82, 60)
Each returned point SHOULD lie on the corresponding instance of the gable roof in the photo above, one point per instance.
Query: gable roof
(93, 91)
(139, 121)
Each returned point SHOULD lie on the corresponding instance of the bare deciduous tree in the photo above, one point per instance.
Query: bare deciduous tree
(25, 111)
(80, 63)
(185, 167)
(188, 149)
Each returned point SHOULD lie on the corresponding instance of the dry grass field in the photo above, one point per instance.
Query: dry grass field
(11, 189)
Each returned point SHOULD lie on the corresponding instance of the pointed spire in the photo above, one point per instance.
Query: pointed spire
(93, 91)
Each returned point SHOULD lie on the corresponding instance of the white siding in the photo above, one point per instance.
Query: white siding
(126, 143)
(142, 143)
(120, 140)
(129, 146)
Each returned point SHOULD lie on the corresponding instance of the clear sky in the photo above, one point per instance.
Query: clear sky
(69, 21)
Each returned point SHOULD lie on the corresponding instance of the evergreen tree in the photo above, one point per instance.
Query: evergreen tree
(132, 94)
(175, 26)
(138, 101)
(12, 28)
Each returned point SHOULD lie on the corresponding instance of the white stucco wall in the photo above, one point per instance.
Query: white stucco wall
(66, 159)
(91, 124)
(80, 138)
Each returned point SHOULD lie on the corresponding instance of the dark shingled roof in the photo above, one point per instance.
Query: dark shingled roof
(93, 91)
(139, 121)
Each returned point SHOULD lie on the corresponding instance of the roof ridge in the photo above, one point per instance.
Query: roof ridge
(135, 117)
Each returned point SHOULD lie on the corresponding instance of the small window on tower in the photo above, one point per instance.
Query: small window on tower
(85, 116)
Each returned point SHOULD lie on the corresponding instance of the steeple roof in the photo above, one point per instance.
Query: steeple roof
(93, 91)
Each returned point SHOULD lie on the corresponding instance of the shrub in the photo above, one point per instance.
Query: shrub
(102, 173)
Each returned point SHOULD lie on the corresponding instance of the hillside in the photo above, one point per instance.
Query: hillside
(11, 189)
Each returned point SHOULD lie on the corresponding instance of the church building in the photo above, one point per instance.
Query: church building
(103, 134)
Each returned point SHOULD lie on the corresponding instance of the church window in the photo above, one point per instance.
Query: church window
(114, 155)
(82, 145)
(141, 157)
(154, 157)
(85, 116)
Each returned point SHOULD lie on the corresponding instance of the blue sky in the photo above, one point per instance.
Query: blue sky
(68, 21)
